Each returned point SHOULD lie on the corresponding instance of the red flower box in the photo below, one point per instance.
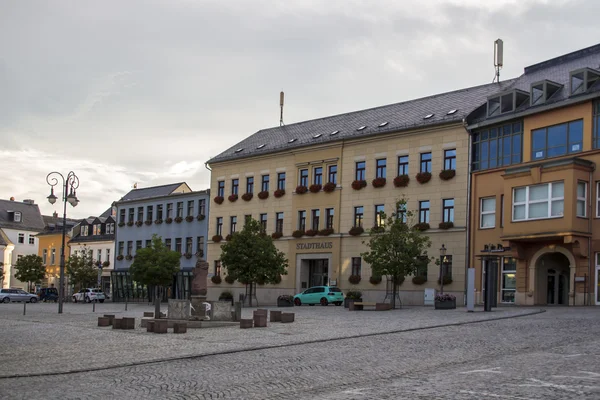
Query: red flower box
(219, 199)
(447, 174)
(301, 189)
(263, 195)
(315, 188)
(379, 182)
(357, 185)
(279, 193)
(424, 177)
(401, 181)
(233, 197)
(247, 196)
(329, 187)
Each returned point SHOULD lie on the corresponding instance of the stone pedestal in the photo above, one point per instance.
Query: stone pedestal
(287, 317)
(103, 321)
(111, 318)
(198, 309)
(246, 323)
(117, 323)
(179, 328)
(220, 311)
(150, 326)
(275, 316)
(179, 309)
(260, 320)
(128, 323)
(160, 326)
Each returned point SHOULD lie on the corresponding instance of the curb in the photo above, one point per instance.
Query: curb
(258, 348)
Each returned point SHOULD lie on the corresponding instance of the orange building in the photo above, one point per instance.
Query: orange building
(50, 243)
(535, 190)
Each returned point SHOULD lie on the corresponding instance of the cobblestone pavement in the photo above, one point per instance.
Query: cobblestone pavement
(553, 355)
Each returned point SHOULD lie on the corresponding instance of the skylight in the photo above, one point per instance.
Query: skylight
(361, 128)
(452, 111)
(383, 124)
(261, 146)
(318, 135)
(238, 150)
(334, 133)
(292, 140)
(428, 116)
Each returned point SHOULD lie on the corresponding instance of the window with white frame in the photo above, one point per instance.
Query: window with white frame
(509, 279)
(487, 217)
(31, 239)
(539, 201)
(21, 238)
(598, 199)
(581, 199)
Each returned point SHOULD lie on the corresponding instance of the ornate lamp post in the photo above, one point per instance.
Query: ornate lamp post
(68, 185)
(443, 260)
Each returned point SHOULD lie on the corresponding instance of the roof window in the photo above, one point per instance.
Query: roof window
(428, 116)
(292, 140)
(542, 91)
(240, 149)
(261, 146)
(453, 111)
(17, 216)
(383, 124)
(318, 135)
(506, 102)
(334, 133)
(583, 79)
(361, 128)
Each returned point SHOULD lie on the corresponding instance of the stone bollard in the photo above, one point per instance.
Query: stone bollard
(128, 323)
(117, 323)
(103, 321)
(150, 326)
(287, 317)
(275, 316)
(111, 318)
(246, 323)
(237, 311)
(179, 327)
(160, 326)
(260, 319)
(148, 314)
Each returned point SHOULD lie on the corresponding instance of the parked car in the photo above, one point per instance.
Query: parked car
(88, 295)
(8, 295)
(322, 295)
(48, 294)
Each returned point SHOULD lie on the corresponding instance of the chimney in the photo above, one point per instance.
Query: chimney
(12, 199)
(29, 201)
(54, 214)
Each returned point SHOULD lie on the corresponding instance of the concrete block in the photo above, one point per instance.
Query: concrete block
(275, 316)
(246, 323)
(260, 320)
(150, 326)
(287, 317)
(160, 326)
(261, 311)
(383, 307)
(117, 323)
(128, 323)
(237, 311)
(110, 317)
(179, 327)
(103, 321)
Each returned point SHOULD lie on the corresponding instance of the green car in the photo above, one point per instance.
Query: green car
(323, 295)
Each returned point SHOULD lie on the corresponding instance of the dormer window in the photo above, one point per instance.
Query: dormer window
(17, 216)
(542, 91)
(506, 102)
(583, 79)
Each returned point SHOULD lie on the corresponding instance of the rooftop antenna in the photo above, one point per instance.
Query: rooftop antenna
(498, 58)
(281, 95)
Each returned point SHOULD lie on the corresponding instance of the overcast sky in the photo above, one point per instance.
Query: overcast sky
(148, 90)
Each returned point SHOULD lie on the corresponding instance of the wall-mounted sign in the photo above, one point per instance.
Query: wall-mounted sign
(314, 246)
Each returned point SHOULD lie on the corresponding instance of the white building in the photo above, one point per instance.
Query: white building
(19, 223)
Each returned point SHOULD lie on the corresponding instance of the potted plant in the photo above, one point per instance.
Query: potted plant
(329, 187)
(188, 255)
(401, 180)
(326, 232)
(279, 193)
(228, 237)
(263, 195)
(377, 229)
(421, 226)
(298, 233)
(178, 219)
(121, 224)
(105, 264)
(158, 221)
(375, 279)
(232, 197)
(356, 230)
(359, 184)
(315, 188)
(352, 295)
(446, 225)
(129, 257)
(354, 279)
(226, 296)
(229, 279)
(189, 218)
(276, 235)
(301, 189)
(285, 300)
(445, 301)
(217, 238)
(120, 257)
(139, 223)
(379, 182)
(130, 223)
(447, 174)
(148, 222)
(168, 220)
(419, 279)
(247, 196)
(219, 199)
(201, 217)
(310, 232)
(423, 177)
(200, 253)
(216, 279)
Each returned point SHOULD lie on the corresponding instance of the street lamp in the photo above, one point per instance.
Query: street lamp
(69, 186)
(443, 260)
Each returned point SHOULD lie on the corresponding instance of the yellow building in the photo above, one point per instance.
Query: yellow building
(265, 175)
(49, 247)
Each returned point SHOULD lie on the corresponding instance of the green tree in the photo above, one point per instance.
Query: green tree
(30, 269)
(396, 249)
(81, 269)
(155, 266)
(251, 256)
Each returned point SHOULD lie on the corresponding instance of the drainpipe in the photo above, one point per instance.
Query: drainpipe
(468, 220)
(341, 170)
(590, 254)
(207, 167)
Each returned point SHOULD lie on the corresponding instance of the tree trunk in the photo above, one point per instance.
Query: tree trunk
(156, 302)
(250, 299)
(394, 291)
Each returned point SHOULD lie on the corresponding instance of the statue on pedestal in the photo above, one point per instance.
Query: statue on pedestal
(200, 274)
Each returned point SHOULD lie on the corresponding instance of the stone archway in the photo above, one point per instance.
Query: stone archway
(532, 284)
(552, 279)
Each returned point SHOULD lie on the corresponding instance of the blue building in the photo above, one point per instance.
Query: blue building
(173, 212)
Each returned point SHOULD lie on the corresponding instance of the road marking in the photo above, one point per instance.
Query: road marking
(540, 383)
(590, 375)
(498, 396)
(495, 370)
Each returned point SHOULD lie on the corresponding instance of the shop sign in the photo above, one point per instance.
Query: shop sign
(314, 246)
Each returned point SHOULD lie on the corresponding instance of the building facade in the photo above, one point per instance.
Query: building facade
(173, 212)
(318, 187)
(20, 222)
(535, 188)
(50, 245)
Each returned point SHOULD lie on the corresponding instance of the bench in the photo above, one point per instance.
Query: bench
(359, 305)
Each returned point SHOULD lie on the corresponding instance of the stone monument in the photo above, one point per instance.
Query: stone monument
(179, 309)
(200, 274)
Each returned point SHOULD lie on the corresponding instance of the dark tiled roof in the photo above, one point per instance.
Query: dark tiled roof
(53, 225)
(154, 191)
(4, 240)
(399, 116)
(556, 70)
(107, 213)
(92, 238)
(31, 218)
